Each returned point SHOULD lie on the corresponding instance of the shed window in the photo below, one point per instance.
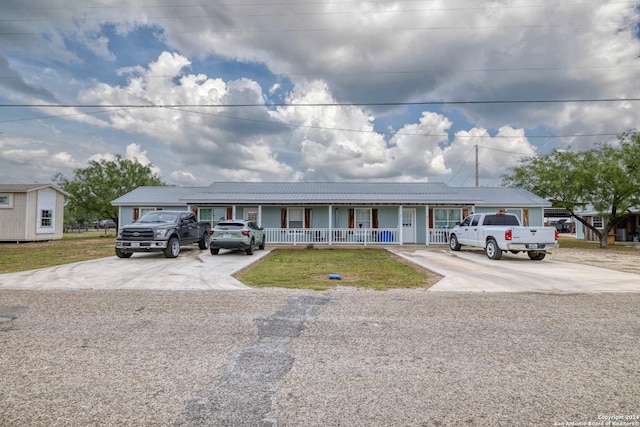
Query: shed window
(46, 217)
(597, 222)
(5, 200)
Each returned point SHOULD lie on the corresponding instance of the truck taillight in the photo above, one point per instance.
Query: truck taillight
(557, 234)
(508, 235)
(245, 232)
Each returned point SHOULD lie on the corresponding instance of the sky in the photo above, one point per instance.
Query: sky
(312, 90)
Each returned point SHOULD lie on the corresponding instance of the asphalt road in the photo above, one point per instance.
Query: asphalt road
(100, 343)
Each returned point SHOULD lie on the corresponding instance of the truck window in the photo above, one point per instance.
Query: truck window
(501, 220)
(466, 222)
(475, 220)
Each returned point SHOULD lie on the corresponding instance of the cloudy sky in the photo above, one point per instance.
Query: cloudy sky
(306, 90)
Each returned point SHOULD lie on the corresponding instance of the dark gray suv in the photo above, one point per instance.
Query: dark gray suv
(236, 234)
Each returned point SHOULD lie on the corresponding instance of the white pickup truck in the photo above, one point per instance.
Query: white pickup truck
(501, 232)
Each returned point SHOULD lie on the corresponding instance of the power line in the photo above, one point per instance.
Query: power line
(301, 126)
(329, 104)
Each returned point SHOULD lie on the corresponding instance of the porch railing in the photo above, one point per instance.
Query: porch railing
(438, 236)
(324, 236)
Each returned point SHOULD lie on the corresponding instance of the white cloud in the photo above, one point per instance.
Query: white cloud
(224, 140)
(333, 52)
(183, 178)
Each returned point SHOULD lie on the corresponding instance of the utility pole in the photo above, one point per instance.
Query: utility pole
(476, 165)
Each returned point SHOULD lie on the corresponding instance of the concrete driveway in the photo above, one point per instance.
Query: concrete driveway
(463, 271)
(470, 270)
(192, 270)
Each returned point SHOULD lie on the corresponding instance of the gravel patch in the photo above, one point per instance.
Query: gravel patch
(627, 261)
(343, 357)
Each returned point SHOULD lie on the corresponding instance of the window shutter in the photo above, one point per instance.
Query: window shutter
(374, 218)
(307, 218)
(351, 218)
(283, 218)
(229, 213)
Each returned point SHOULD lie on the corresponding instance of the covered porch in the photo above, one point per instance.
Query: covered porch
(345, 224)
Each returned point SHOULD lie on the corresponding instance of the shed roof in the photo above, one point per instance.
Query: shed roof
(26, 188)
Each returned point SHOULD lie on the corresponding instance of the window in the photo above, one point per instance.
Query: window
(296, 218)
(46, 217)
(446, 218)
(251, 214)
(363, 218)
(5, 200)
(597, 222)
(212, 215)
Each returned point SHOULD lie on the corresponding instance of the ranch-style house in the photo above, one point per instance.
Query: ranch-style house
(334, 213)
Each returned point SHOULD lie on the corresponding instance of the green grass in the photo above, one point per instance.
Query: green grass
(73, 247)
(310, 268)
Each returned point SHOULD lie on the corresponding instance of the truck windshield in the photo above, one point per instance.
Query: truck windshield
(158, 217)
(501, 220)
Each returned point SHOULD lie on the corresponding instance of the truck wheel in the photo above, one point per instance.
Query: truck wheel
(492, 250)
(214, 251)
(536, 256)
(204, 241)
(453, 243)
(173, 248)
(121, 254)
(263, 243)
(250, 248)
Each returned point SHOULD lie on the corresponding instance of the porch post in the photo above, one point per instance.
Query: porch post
(330, 238)
(259, 215)
(400, 236)
(233, 211)
(426, 217)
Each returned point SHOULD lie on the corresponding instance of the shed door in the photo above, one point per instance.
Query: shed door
(409, 225)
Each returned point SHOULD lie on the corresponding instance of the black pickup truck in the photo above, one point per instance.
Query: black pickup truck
(162, 231)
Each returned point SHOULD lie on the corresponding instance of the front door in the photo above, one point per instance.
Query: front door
(409, 225)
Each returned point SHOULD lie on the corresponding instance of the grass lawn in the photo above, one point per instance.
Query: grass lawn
(310, 269)
(73, 247)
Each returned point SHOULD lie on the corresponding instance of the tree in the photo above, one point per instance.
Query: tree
(94, 188)
(605, 179)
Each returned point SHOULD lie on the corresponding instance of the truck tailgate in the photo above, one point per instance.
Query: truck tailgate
(529, 235)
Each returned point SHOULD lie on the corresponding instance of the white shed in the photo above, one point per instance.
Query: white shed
(30, 212)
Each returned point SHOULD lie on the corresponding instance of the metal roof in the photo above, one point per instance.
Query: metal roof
(224, 193)
(504, 197)
(326, 192)
(156, 196)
